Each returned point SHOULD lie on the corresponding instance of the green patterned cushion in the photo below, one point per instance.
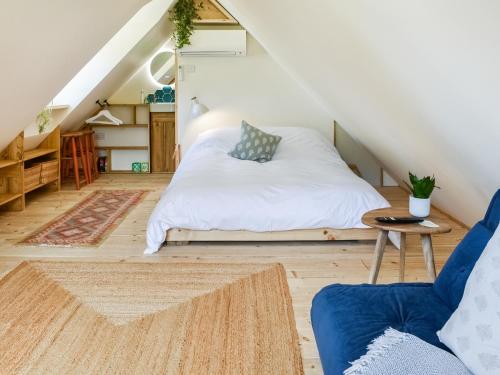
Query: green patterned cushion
(255, 144)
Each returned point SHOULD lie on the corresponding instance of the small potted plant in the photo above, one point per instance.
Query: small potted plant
(43, 119)
(420, 198)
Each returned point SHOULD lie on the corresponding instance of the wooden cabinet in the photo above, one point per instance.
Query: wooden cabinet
(162, 141)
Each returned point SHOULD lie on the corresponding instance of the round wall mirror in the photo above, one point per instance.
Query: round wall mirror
(163, 68)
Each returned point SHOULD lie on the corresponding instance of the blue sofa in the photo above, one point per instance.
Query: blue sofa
(346, 318)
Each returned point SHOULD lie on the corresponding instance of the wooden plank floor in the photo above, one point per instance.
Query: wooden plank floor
(310, 266)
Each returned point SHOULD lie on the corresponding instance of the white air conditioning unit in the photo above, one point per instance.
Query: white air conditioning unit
(216, 43)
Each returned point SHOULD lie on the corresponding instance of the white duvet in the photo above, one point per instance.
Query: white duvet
(305, 186)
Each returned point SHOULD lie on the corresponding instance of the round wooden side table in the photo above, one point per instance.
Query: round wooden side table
(415, 228)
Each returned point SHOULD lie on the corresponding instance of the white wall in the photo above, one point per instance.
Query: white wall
(113, 53)
(44, 44)
(418, 83)
(254, 88)
(111, 65)
(142, 80)
(130, 91)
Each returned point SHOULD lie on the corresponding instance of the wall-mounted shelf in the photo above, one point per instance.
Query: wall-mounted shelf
(17, 167)
(119, 126)
(57, 107)
(129, 105)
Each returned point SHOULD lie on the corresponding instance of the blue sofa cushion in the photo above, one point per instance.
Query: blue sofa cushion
(450, 283)
(492, 217)
(346, 318)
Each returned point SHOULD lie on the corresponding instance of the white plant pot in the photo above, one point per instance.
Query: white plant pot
(420, 207)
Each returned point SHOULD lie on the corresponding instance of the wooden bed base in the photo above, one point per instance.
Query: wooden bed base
(184, 236)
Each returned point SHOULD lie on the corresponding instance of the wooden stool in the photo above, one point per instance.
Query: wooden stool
(90, 149)
(384, 228)
(73, 151)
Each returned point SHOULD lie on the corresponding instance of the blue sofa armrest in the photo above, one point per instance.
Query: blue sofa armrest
(346, 318)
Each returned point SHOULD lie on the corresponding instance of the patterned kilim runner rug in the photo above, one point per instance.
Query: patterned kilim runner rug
(147, 318)
(89, 222)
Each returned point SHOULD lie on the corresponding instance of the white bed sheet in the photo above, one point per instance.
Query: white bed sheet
(306, 185)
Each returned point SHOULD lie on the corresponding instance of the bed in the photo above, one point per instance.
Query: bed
(307, 192)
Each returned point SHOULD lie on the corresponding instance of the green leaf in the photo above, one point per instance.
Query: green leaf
(421, 187)
(183, 15)
(43, 119)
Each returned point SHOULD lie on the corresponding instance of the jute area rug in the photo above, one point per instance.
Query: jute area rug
(89, 222)
(140, 318)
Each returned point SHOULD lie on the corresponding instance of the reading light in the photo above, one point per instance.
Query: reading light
(197, 108)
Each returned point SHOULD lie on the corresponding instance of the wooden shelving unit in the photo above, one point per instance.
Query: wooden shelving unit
(15, 161)
(150, 136)
(123, 144)
(11, 176)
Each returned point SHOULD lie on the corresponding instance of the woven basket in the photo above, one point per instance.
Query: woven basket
(32, 176)
(50, 171)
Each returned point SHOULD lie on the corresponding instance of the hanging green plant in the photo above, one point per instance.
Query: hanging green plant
(43, 119)
(183, 15)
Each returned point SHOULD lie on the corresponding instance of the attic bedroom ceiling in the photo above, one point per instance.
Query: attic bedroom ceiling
(416, 82)
(61, 38)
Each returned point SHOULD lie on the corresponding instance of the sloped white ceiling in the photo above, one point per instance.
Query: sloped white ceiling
(44, 44)
(418, 83)
(141, 37)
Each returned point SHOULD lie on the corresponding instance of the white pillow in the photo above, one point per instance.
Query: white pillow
(473, 330)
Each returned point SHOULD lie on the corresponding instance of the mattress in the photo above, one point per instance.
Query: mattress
(306, 186)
